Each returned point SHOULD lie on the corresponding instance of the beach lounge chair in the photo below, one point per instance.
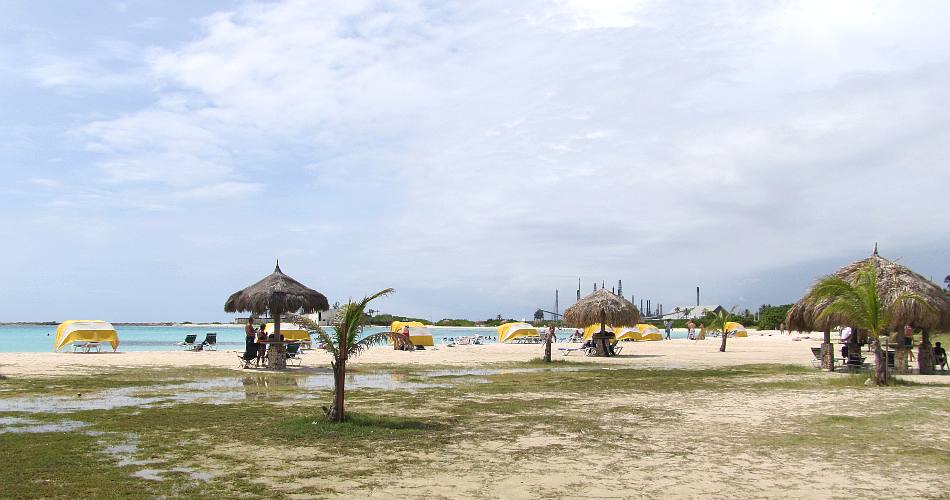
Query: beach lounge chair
(816, 351)
(211, 341)
(294, 354)
(87, 346)
(189, 340)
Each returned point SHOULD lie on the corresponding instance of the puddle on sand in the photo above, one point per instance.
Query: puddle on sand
(156, 474)
(15, 425)
(221, 390)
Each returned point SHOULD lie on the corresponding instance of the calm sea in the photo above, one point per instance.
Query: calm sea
(37, 338)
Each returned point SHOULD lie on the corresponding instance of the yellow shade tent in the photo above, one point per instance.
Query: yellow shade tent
(396, 326)
(642, 331)
(510, 331)
(418, 333)
(85, 330)
(592, 329)
(290, 331)
(737, 329)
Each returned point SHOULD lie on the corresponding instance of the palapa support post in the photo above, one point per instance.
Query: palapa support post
(827, 352)
(602, 339)
(925, 354)
(277, 354)
(901, 355)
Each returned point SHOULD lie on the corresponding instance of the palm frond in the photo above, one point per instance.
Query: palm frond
(315, 330)
(368, 341)
(350, 323)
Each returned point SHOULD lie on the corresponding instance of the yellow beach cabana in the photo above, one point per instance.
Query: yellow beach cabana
(736, 329)
(642, 331)
(418, 333)
(511, 331)
(290, 331)
(592, 329)
(85, 330)
(396, 326)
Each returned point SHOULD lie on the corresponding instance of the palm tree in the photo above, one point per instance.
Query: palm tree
(717, 321)
(947, 281)
(539, 315)
(859, 302)
(345, 343)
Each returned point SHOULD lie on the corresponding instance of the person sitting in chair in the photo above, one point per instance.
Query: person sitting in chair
(940, 356)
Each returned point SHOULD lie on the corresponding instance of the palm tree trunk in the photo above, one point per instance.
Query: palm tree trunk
(547, 348)
(725, 335)
(925, 354)
(339, 379)
(880, 362)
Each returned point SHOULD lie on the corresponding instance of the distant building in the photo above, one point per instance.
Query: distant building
(692, 312)
(324, 318)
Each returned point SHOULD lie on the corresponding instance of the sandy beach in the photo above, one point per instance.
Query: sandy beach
(759, 347)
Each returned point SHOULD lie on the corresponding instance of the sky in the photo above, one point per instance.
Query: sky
(475, 156)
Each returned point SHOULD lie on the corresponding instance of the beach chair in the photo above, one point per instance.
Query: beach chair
(87, 346)
(210, 342)
(294, 354)
(189, 340)
(816, 351)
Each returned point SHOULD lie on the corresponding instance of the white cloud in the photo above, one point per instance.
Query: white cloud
(522, 143)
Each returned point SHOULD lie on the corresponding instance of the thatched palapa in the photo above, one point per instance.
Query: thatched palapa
(893, 280)
(277, 293)
(602, 306)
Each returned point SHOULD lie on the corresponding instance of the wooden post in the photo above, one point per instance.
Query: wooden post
(277, 354)
(600, 338)
(901, 353)
(827, 351)
(925, 354)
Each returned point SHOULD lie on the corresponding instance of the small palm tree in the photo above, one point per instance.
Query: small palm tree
(539, 315)
(717, 321)
(859, 303)
(946, 281)
(344, 343)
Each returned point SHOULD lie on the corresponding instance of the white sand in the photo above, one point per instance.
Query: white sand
(758, 348)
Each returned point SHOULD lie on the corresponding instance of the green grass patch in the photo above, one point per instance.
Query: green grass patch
(358, 426)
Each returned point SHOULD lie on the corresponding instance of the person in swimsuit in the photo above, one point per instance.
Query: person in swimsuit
(261, 348)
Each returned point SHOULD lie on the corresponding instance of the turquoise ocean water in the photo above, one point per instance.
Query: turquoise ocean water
(39, 338)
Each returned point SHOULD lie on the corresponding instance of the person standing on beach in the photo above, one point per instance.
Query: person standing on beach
(669, 328)
(550, 337)
(781, 328)
(261, 347)
(691, 330)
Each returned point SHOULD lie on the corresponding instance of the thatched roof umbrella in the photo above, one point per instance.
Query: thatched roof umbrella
(893, 280)
(277, 294)
(605, 308)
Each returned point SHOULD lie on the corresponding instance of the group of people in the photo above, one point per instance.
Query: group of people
(691, 333)
(851, 345)
(254, 347)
